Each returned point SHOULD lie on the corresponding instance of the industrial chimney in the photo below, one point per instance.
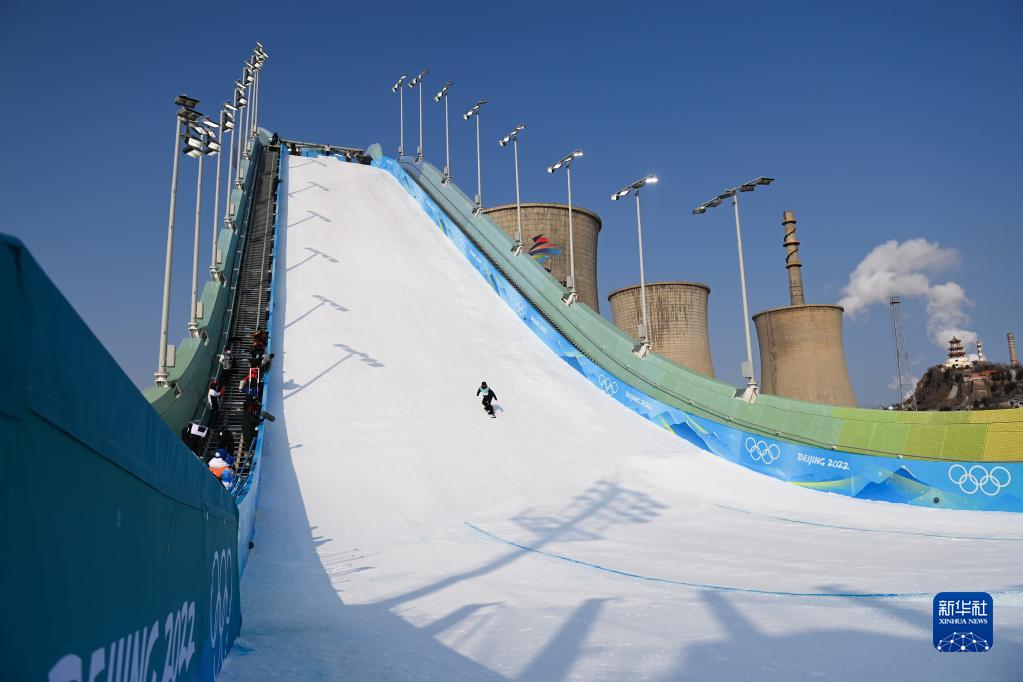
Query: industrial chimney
(1013, 360)
(801, 351)
(792, 263)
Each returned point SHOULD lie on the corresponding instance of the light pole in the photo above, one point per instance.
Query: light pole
(397, 87)
(513, 137)
(226, 122)
(249, 80)
(567, 163)
(750, 393)
(186, 113)
(259, 57)
(230, 125)
(443, 95)
(242, 102)
(418, 80)
(644, 329)
(475, 113)
(198, 147)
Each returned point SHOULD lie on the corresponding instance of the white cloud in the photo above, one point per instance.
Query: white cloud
(894, 269)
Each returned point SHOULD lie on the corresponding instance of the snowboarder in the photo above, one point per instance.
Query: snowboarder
(488, 396)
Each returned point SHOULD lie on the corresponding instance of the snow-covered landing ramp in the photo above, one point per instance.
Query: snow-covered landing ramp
(402, 534)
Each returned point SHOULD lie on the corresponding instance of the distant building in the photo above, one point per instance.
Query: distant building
(959, 358)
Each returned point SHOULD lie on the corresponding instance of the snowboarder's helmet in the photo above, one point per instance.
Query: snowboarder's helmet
(484, 384)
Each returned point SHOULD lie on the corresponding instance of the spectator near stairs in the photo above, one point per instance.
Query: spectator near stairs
(215, 398)
(251, 420)
(258, 342)
(218, 465)
(250, 386)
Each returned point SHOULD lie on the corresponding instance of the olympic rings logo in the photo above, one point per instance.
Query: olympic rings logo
(608, 385)
(979, 478)
(762, 451)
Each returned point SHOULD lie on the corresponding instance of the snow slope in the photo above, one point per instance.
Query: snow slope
(402, 534)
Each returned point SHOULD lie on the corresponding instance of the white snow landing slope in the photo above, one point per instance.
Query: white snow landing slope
(402, 534)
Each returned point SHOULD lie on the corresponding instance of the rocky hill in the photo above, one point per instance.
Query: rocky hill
(985, 386)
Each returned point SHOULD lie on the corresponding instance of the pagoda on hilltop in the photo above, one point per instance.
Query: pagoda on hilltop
(956, 355)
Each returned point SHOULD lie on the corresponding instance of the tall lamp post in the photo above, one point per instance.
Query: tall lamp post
(572, 295)
(418, 80)
(443, 95)
(259, 57)
(242, 102)
(231, 112)
(750, 392)
(186, 113)
(513, 137)
(644, 329)
(475, 113)
(226, 123)
(198, 147)
(249, 80)
(397, 87)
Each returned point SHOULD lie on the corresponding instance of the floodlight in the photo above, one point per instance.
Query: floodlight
(443, 91)
(185, 101)
(565, 161)
(418, 79)
(475, 109)
(699, 210)
(397, 86)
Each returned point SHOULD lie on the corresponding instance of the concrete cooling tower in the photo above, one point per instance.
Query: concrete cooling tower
(801, 350)
(551, 220)
(678, 321)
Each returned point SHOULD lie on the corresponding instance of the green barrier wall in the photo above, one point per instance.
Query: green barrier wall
(195, 356)
(119, 547)
(995, 435)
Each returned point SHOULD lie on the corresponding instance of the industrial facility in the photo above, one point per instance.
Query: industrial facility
(801, 351)
(551, 220)
(678, 321)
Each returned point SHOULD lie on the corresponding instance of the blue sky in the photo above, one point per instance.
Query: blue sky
(880, 121)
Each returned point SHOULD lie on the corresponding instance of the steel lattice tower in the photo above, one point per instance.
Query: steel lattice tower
(902, 358)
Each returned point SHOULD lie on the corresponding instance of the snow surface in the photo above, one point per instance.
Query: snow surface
(402, 534)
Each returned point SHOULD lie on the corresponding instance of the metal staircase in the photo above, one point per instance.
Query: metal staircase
(249, 307)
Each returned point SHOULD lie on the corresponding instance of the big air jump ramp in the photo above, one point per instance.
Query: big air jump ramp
(403, 534)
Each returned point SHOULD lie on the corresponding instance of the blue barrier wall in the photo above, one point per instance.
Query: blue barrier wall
(931, 483)
(119, 547)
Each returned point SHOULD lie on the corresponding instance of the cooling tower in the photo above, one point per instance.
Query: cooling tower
(551, 220)
(677, 313)
(801, 350)
(801, 354)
